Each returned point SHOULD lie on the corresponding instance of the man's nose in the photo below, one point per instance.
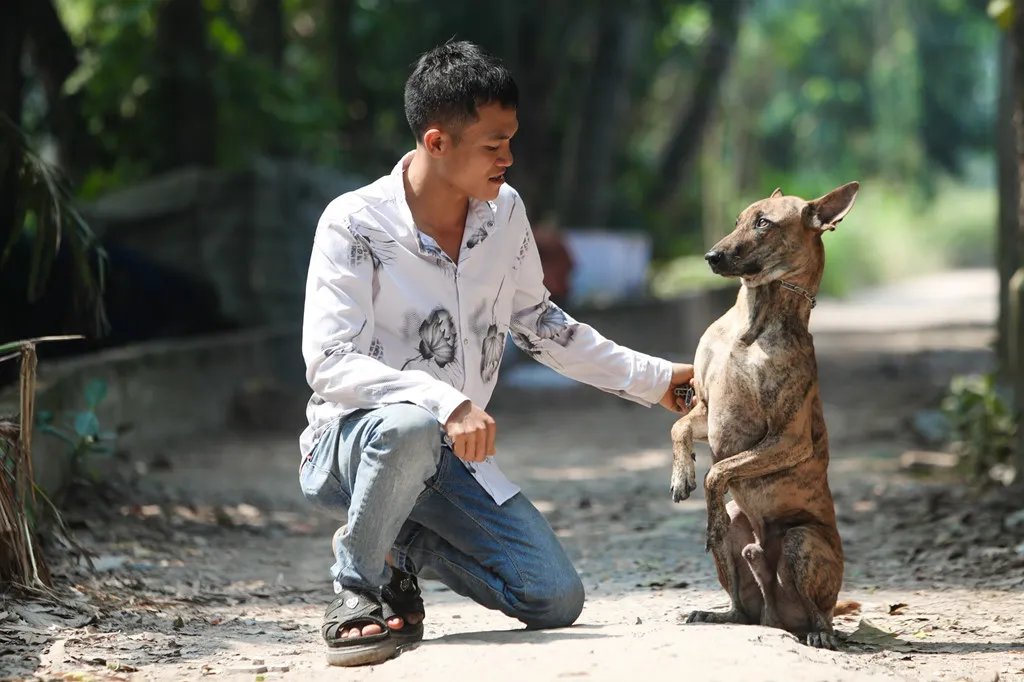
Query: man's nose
(713, 257)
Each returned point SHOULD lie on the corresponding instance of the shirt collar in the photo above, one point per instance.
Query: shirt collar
(480, 220)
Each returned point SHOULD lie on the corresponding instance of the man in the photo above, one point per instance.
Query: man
(414, 282)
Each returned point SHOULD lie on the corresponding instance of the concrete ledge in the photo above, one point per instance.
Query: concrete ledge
(169, 390)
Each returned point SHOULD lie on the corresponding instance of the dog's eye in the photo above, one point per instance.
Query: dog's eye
(762, 222)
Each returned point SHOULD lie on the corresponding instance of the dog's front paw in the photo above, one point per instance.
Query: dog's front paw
(684, 481)
(823, 640)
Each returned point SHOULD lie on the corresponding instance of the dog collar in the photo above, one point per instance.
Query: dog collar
(800, 290)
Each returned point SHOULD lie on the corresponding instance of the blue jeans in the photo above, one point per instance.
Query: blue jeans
(399, 488)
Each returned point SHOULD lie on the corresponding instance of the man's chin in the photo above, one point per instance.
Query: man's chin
(488, 193)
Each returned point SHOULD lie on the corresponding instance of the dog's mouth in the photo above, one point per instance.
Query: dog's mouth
(728, 267)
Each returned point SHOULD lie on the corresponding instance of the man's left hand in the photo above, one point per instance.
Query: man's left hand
(682, 375)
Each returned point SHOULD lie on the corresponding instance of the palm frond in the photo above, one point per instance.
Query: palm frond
(46, 216)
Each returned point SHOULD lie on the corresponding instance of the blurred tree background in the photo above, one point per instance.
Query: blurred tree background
(666, 116)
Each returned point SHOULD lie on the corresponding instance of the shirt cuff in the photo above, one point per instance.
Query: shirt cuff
(652, 377)
(448, 399)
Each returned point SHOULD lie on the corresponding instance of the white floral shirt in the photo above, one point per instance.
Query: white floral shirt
(390, 318)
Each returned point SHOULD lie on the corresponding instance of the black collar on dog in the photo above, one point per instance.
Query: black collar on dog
(800, 290)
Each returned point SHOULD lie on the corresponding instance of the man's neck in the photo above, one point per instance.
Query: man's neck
(437, 208)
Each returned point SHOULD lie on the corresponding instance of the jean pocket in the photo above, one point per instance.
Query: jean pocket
(321, 486)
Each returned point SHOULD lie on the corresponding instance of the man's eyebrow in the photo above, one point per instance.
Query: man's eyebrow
(502, 136)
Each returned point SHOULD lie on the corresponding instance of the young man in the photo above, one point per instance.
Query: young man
(414, 282)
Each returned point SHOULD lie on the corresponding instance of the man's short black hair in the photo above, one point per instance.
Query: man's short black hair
(451, 81)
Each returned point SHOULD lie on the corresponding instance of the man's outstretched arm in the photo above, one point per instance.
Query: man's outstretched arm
(577, 350)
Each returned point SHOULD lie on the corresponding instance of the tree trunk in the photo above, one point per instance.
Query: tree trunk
(1015, 285)
(187, 102)
(1009, 202)
(266, 31)
(679, 154)
(56, 58)
(606, 108)
(538, 57)
(12, 81)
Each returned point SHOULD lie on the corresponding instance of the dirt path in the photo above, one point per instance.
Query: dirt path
(213, 566)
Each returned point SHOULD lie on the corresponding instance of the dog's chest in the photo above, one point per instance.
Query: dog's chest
(735, 377)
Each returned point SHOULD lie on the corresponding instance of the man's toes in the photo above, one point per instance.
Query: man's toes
(415, 618)
(371, 629)
(395, 623)
(352, 632)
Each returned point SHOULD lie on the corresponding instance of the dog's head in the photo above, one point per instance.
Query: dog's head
(780, 235)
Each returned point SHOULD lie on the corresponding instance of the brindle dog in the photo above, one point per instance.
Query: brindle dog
(776, 546)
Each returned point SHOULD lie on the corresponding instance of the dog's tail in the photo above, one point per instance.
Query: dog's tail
(845, 608)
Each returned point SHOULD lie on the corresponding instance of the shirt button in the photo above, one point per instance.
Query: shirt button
(465, 342)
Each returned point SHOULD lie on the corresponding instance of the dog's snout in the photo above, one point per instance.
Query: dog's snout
(713, 257)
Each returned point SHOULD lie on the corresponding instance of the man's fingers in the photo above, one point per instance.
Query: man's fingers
(492, 431)
(460, 446)
(472, 446)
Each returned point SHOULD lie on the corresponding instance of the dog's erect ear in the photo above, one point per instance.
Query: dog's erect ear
(826, 212)
(776, 194)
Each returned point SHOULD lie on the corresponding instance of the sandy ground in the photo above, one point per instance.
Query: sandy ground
(210, 564)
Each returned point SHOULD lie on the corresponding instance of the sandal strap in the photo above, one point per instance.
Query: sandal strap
(403, 593)
(351, 608)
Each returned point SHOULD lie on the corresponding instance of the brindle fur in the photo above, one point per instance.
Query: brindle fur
(776, 545)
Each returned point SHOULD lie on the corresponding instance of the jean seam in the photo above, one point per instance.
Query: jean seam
(498, 541)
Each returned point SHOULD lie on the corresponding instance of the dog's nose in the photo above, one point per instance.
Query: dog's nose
(713, 257)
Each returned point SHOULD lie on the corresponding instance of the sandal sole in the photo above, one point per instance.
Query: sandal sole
(363, 654)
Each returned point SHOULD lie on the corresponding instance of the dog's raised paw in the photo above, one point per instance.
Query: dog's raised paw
(683, 483)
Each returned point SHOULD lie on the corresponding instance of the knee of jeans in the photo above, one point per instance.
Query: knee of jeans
(556, 604)
(412, 435)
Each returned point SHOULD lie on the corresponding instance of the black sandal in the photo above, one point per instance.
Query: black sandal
(352, 609)
(403, 595)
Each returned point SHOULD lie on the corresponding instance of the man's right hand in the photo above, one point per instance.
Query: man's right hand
(472, 432)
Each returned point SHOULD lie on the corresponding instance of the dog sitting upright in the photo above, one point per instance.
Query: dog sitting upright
(776, 545)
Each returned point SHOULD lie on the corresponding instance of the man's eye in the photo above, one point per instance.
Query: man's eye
(763, 222)
(493, 149)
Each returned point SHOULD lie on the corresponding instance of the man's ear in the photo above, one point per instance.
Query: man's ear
(825, 212)
(434, 141)
(777, 193)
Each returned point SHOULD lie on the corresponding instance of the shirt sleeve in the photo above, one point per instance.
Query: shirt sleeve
(337, 332)
(574, 349)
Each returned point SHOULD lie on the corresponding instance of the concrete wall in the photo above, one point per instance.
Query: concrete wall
(248, 232)
(169, 390)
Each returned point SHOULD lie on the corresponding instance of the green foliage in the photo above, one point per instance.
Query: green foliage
(45, 217)
(258, 106)
(898, 94)
(981, 423)
(80, 429)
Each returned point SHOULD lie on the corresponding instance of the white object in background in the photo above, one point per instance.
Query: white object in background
(608, 266)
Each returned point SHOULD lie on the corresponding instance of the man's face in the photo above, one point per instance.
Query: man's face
(474, 164)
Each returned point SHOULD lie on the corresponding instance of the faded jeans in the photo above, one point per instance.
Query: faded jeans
(399, 488)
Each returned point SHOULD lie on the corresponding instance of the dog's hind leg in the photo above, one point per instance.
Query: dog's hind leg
(694, 426)
(764, 574)
(734, 575)
(812, 565)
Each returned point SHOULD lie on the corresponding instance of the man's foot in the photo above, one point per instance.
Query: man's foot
(359, 611)
(402, 594)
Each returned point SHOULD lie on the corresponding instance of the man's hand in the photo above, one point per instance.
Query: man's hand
(682, 376)
(472, 432)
